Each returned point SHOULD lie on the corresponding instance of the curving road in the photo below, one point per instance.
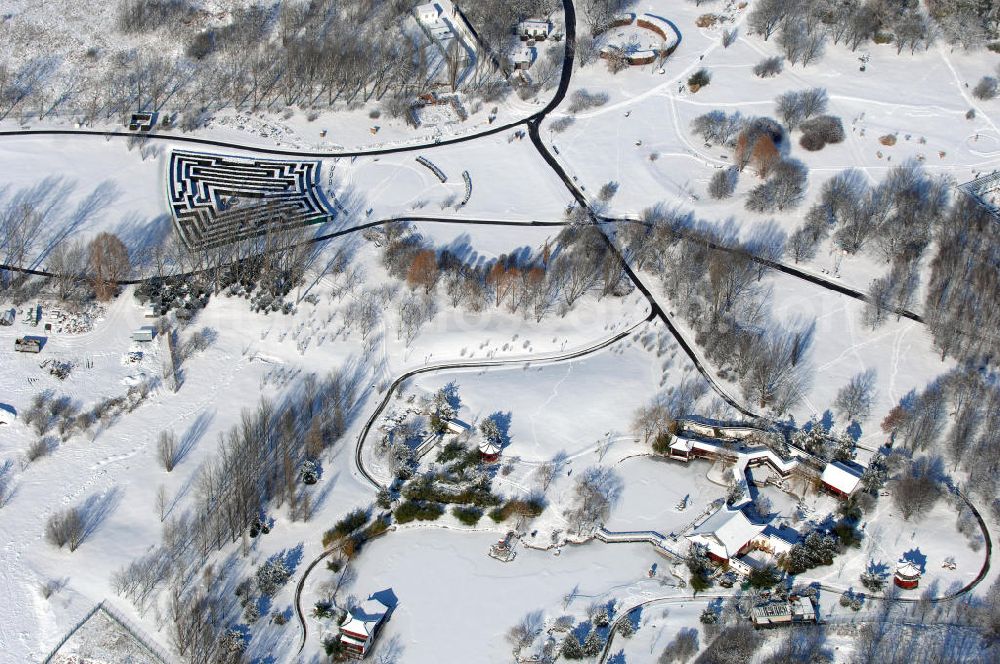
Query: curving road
(568, 8)
(475, 364)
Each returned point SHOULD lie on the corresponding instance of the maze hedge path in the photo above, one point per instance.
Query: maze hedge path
(218, 199)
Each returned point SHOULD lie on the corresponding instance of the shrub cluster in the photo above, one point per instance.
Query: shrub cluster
(819, 131)
(345, 526)
(468, 515)
(417, 510)
(530, 507)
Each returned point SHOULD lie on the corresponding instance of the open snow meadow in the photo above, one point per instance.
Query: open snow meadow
(615, 331)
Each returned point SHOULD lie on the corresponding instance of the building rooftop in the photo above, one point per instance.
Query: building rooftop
(726, 531)
(841, 476)
(365, 617)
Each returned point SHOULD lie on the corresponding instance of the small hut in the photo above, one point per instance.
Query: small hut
(907, 575)
(28, 345)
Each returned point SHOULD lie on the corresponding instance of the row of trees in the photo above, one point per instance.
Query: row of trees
(257, 466)
(85, 270)
(802, 28)
(955, 416)
(963, 293)
(715, 286)
(579, 261)
(894, 220)
(263, 59)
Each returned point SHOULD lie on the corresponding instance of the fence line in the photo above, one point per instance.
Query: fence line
(137, 633)
(424, 161)
(151, 647)
(71, 632)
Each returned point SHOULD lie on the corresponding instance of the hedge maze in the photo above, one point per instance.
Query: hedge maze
(218, 199)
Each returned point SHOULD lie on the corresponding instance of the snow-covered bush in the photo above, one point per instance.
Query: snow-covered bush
(699, 79)
(272, 575)
(819, 131)
(64, 528)
(986, 88)
(852, 600)
(559, 125)
(581, 100)
(769, 67)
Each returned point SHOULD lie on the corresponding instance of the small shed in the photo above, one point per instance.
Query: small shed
(783, 612)
(457, 426)
(907, 575)
(145, 333)
(523, 57)
(361, 628)
(428, 13)
(29, 344)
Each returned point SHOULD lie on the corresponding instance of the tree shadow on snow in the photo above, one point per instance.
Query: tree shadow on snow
(193, 434)
(97, 508)
(917, 558)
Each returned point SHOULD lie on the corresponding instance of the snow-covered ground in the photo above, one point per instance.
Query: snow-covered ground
(577, 410)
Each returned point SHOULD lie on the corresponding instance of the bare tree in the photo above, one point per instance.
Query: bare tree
(65, 528)
(68, 261)
(917, 489)
(683, 647)
(162, 504)
(521, 635)
(596, 491)
(167, 450)
(108, 263)
(854, 400)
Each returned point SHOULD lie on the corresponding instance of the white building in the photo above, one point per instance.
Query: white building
(457, 426)
(725, 534)
(533, 29)
(428, 14)
(793, 610)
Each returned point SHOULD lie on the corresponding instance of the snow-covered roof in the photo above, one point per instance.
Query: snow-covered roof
(534, 26)
(489, 447)
(726, 532)
(679, 443)
(841, 477)
(428, 8)
(783, 533)
(364, 618)
(456, 425)
(907, 569)
(524, 54)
